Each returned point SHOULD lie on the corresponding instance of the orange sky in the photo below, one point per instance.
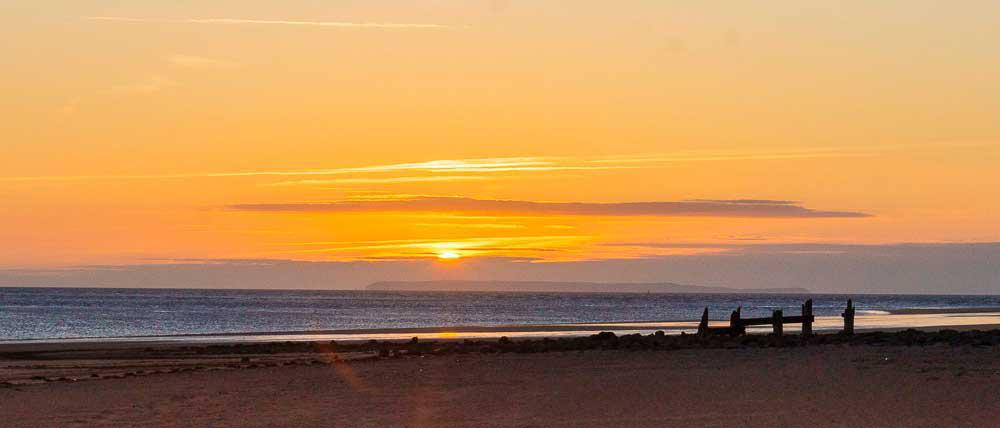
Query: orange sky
(154, 131)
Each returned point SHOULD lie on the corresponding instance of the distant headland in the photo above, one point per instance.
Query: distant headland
(565, 287)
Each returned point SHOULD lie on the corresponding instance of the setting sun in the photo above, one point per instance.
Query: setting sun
(449, 255)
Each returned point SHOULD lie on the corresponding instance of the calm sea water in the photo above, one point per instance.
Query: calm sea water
(46, 313)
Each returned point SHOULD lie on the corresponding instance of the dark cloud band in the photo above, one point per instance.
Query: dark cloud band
(699, 208)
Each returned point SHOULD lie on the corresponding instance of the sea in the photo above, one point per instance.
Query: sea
(32, 314)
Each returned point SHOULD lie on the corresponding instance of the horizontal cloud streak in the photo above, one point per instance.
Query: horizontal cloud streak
(735, 208)
(483, 165)
(235, 21)
(457, 166)
(440, 166)
(384, 180)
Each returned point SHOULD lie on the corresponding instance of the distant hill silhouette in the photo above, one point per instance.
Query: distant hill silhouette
(578, 287)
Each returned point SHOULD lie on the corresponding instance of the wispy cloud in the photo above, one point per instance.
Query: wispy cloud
(474, 242)
(511, 246)
(734, 208)
(238, 21)
(442, 167)
(472, 225)
(384, 180)
(789, 153)
(745, 201)
(478, 166)
(718, 156)
(446, 166)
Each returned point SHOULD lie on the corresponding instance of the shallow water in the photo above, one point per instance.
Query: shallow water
(51, 313)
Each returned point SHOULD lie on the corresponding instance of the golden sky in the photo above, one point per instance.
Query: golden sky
(155, 131)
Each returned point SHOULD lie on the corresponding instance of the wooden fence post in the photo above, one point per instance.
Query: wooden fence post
(703, 325)
(849, 317)
(807, 318)
(778, 321)
(735, 324)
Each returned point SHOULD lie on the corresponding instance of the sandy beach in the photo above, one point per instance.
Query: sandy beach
(907, 379)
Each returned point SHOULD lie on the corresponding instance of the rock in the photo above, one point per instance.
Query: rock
(604, 336)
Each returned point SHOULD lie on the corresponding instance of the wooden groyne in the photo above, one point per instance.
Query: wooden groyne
(738, 324)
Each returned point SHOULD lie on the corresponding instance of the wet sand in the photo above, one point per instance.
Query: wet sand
(944, 311)
(823, 386)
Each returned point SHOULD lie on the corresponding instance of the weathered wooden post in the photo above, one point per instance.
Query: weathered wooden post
(778, 321)
(849, 317)
(703, 325)
(807, 318)
(735, 323)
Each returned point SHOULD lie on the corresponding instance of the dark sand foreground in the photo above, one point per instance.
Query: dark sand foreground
(832, 385)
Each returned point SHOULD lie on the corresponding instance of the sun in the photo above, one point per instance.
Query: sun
(449, 255)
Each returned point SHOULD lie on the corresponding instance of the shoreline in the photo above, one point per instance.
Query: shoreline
(917, 319)
(34, 347)
(930, 311)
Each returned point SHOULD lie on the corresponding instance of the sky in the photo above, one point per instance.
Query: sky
(837, 146)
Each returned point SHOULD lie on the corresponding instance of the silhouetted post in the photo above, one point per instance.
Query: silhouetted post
(778, 320)
(703, 325)
(807, 318)
(849, 317)
(735, 325)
